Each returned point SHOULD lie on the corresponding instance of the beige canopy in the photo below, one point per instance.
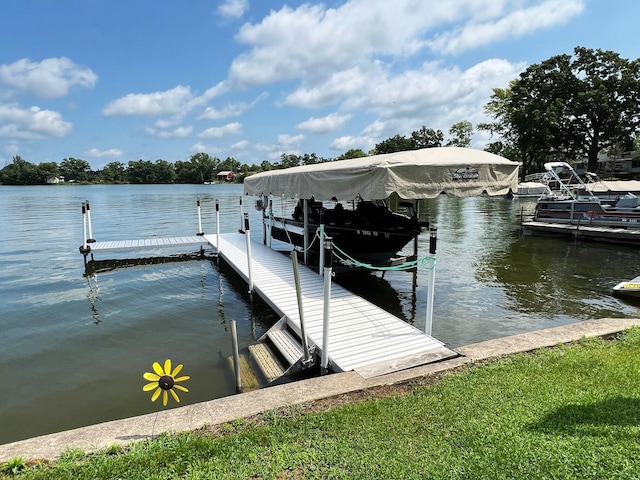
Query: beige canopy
(414, 174)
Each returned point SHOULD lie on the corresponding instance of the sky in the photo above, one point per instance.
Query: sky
(116, 80)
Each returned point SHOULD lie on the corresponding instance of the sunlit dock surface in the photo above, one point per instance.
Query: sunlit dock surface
(115, 245)
(363, 337)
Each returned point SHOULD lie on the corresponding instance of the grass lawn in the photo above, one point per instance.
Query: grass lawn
(569, 412)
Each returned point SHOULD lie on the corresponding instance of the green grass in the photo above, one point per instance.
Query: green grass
(570, 412)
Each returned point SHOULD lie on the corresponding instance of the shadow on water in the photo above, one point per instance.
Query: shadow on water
(108, 265)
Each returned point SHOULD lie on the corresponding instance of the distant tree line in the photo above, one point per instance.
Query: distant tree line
(568, 107)
(202, 167)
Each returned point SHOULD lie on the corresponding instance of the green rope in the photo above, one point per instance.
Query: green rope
(428, 262)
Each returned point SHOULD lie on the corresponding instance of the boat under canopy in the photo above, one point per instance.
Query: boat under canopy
(412, 175)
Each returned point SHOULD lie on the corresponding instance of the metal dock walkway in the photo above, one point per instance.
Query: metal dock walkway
(363, 337)
(115, 245)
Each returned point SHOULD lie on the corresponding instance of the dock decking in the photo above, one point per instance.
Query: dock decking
(362, 336)
(621, 236)
(115, 245)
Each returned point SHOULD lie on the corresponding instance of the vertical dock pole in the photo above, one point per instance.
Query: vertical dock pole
(90, 239)
(433, 237)
(84, 248)
(200, 232)
(326, 313)
(241, 216)
(247, 233)
(270, 220)
(305, 219)
(303, 334)
(217, 226)
(236, 355)
(84, 225)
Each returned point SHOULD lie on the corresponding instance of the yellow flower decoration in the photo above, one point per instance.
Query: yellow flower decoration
(164, 380)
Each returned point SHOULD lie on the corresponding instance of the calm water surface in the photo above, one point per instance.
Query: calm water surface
(75, 345)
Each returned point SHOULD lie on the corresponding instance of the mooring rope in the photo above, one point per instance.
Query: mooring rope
(428, 262)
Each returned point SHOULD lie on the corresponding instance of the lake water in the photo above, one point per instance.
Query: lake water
(75, 345)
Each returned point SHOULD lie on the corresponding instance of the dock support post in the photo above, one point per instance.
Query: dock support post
(217, 226)
(247, 233)
(433, 237)
(303, 334)
(84, 225)
(270, 221)
(90, 239)
(305, 223)
(321, 256)
(241, 216)
(328, 259)
(84, 248)
(200, 232)
(236, 355)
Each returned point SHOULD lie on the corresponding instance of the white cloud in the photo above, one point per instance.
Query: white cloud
(367, 139)
(233, 9)
(112, 152)
(224, 131)
(180, 132)
(512, 25)
(169, 102)
(31, 123)
(313, 42)
(176, 102)
(339, 85)
(285, 140)
(231, 110)
(241, 145)
(325, 124)
(50, 78)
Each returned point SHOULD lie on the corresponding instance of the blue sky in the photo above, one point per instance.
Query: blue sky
(115, 80)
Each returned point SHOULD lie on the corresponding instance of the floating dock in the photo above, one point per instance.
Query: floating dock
(620, 236)
(116, 245)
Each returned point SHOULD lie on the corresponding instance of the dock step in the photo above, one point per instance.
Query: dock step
(287, 345)
(269, 366)
(249, 380)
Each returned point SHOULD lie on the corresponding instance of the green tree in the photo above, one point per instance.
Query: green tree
(229, 164)
(460, 134)
(200, 168)
(47, 170)
(164, 171)
(75, 169)
(570, 105)
(353, 153)
(141, 171)
(115, 172)
(19, 172)
(426, 138)
(266, 165)
(500, 109)
(398, 143)
(289, 160)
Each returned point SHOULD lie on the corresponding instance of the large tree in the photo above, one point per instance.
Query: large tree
(426, 138)
(75, 169)
(397, 143)
(570, 105)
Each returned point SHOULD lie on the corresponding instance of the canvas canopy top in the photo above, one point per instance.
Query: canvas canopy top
(414, 174)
